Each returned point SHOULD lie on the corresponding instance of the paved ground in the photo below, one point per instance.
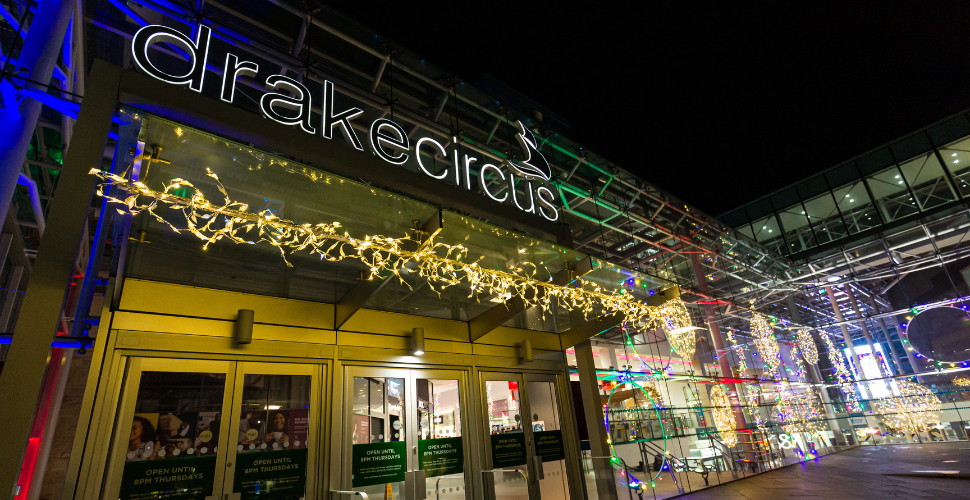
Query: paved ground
(859, 473)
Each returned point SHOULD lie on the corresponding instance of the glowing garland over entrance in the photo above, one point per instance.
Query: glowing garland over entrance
(440, 263)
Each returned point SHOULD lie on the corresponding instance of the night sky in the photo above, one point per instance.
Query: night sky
(717, 104)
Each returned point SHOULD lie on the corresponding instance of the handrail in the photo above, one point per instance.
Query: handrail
(339, 492)
(496, 471)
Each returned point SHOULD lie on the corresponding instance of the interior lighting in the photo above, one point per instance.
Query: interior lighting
(807, 345)
(915, 409)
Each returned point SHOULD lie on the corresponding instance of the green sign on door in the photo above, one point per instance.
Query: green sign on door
(378, 463)
(271, 474)
(438, 457)
(549, 445)
(176, 478)
(508, 450)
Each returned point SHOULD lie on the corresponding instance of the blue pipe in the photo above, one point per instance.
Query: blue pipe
(67, 342)
(39, 56)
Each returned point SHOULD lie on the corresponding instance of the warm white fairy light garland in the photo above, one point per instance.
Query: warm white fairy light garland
(842, 375)
(440, 263)
(806, 344)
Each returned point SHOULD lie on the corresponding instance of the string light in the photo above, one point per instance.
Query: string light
(679, 328)
(842, 374)
(440, 263)
(742, 364)
(764, 340)
(723, 416)
(799, 412)
(962, 381)
(915, 409)
(806, 344)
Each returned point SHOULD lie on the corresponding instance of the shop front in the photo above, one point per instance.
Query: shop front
(275, 330)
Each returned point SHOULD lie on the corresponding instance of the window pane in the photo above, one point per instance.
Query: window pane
(927, 180)
(957, 158)
(856, 207)
(825, 218)
(767, 233)
(797, 231)
(891, 194)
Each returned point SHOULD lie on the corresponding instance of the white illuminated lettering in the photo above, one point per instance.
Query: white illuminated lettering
(198, 53)
(397, 139)
(231, 71)
(439, 147)
(468, 171)
(547, 203)
(515, 199)
(341, 119)
(302, 103)
(482, 183)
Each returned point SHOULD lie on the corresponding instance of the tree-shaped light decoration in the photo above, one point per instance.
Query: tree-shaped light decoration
(723, 416)
(675, 320)
(764, 340)
(916, 408)
(807, 345)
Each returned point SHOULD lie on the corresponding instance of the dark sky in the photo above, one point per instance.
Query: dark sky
(717, 104)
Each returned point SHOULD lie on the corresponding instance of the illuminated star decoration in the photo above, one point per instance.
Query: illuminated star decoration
(764, 340)
(915, 409)
(440, 263)
(723, 416)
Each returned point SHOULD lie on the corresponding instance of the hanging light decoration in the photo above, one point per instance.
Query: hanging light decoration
(842, 373)
(724, 416)
(799, 412)
(916, 408)
(962, 381)
(807, 345)
(676, 322)
(742, 364)
(764, 340)
(441, 264)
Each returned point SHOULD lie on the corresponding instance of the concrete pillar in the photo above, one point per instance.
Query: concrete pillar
(23, 373)
(39, 55)
(723, 361)
(865, 330)
(593, 408)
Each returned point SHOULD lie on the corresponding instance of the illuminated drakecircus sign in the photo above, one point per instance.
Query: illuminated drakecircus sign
(388, 140)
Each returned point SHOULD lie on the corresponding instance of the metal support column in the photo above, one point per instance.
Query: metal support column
(846, 336)
(865, 331)
(815, 376)
(26, 364)
(39, 55)
(593, 408)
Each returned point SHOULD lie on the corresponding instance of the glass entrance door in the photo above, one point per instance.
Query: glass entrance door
(525, 459)
(403, 433)
(194, 429)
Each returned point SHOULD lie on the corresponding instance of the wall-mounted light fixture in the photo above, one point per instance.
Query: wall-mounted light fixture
(417, 341)
(242, 332)
(525, 352)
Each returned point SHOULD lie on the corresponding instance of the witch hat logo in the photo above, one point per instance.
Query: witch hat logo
(534, 163)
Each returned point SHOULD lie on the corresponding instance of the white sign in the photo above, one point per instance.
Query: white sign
(388, 140)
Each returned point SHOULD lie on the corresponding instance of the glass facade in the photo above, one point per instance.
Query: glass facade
(914, 176)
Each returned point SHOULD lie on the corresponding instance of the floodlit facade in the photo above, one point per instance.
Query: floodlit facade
(256, 250)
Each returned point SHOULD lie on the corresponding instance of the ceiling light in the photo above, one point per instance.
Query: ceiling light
(954, 154)
(851, 200)
(417, 341)
(956, 161)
